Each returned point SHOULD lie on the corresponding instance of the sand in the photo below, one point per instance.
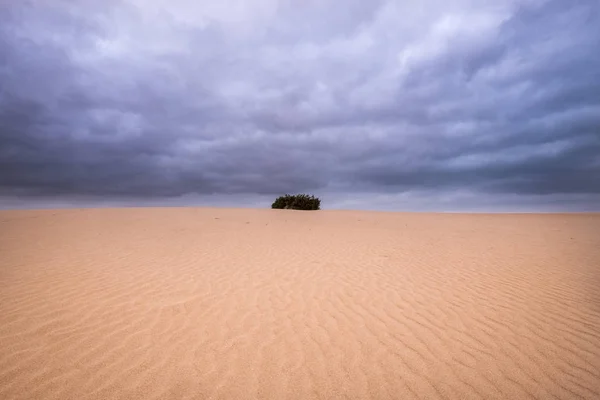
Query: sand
(190, 303)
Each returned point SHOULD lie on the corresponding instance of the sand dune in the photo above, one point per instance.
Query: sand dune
(251, 304)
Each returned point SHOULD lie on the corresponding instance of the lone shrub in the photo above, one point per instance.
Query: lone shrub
(297, 202)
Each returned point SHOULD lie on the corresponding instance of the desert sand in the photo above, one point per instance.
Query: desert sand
(192, 303)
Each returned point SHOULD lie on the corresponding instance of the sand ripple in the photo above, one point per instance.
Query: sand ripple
(248, 304)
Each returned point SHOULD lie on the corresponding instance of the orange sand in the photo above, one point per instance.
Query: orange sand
(252, 304)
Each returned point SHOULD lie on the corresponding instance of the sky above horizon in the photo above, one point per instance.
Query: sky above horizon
(454, 105)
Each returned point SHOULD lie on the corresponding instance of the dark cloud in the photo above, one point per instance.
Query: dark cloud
(468, 104)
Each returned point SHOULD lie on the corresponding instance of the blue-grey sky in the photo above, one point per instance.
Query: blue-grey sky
(453, 105)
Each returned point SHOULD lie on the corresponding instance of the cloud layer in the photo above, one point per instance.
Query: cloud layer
(445, 105)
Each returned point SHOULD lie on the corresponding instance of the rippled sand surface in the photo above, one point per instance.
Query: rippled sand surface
(187, 303)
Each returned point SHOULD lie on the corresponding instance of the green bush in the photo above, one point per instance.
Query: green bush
(297, 202)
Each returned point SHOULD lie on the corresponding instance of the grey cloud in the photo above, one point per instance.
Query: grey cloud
(124, 101)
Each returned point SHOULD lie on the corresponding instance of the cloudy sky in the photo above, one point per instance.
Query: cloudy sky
(445, 105)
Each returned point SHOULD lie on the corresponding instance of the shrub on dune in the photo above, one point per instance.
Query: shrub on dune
(297, 202)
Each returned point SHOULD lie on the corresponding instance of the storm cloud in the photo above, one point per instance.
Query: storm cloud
(431, 105)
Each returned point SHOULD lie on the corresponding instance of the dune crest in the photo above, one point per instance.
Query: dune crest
(196, 303)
